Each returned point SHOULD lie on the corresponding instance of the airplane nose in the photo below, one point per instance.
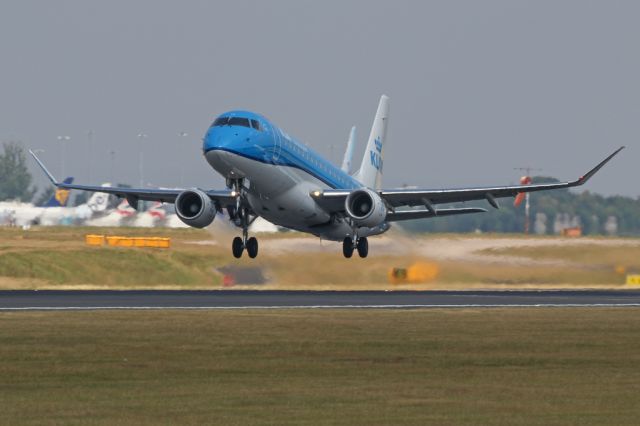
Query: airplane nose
(215, 140)
(224, 138)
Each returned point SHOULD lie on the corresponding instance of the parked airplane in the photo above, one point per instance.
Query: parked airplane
(96, 205)
(153, 216)
(122, 215)
(270, 174)
(25, 214)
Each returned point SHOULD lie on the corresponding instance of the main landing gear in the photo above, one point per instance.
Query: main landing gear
(238, 246)
(241, 217)
(361, 244)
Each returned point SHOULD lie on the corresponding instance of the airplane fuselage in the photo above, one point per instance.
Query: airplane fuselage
(279, 174)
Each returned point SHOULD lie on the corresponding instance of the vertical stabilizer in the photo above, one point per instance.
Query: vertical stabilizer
(370, 173)
(60, 196)
(99, 201)
(348, 153)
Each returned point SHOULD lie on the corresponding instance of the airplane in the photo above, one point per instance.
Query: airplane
(153, 216)
(96, 205)
(269, 174)
(173, 221)
(26, 214)
(55, 211)
(122, 215)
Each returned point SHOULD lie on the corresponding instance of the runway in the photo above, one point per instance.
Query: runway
(243, 299)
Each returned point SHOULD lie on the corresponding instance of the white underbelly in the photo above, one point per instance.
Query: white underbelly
(281, 194)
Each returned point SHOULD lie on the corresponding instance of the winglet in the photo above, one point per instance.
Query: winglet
(593, 171)
(42, 166)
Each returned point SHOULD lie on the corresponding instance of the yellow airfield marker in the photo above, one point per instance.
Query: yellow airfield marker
(119, 241)
(633, 279)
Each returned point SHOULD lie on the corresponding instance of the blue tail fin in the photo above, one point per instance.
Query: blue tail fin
(61, 196)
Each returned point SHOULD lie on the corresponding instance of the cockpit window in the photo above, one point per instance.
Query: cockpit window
(238, 121)
(232, 121)
(220, 121)
(256, 125)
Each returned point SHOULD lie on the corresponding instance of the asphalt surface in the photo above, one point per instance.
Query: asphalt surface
(243, 299)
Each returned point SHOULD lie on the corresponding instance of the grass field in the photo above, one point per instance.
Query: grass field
(488, 366)
(597, 257)
(58, 258)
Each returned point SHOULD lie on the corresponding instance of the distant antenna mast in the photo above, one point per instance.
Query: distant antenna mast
(525, 180)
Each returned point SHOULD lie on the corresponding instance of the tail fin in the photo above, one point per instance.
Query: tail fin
(157, 211)
(370, 173)
(125, 210)
(348, 153)
(99, 201)
(60, 197)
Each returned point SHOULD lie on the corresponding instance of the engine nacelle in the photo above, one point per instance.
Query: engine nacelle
(366, 208)
(195, 208)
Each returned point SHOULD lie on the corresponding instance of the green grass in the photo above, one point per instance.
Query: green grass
(490, 366)
(67, 233)
(109, 267)
(592, 255)
(518, 275)
(57, 257)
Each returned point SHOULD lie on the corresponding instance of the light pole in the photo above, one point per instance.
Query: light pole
(89, 155)
(113, 166)
(180, 163)
(141, 136)
(63, 141)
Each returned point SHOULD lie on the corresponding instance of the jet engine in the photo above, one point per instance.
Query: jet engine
(366, 208)
(195, 208)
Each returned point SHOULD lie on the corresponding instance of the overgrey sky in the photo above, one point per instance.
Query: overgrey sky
(477, 87)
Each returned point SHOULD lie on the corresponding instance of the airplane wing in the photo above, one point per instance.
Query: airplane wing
(334, 200)
(423, 214)
(224, 198)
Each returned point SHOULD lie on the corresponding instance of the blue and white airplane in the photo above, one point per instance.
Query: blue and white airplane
(270, 174)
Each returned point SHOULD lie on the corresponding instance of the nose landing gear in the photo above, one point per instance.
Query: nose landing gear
(240, 215)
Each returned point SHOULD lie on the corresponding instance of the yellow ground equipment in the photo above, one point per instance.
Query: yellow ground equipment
(633, 279)
(94, 240)
(120, 241)
(419, 272)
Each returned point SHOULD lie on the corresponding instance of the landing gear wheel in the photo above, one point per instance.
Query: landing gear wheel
(363, 247)
(237, 247)
(347, 247)
(252, 247)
